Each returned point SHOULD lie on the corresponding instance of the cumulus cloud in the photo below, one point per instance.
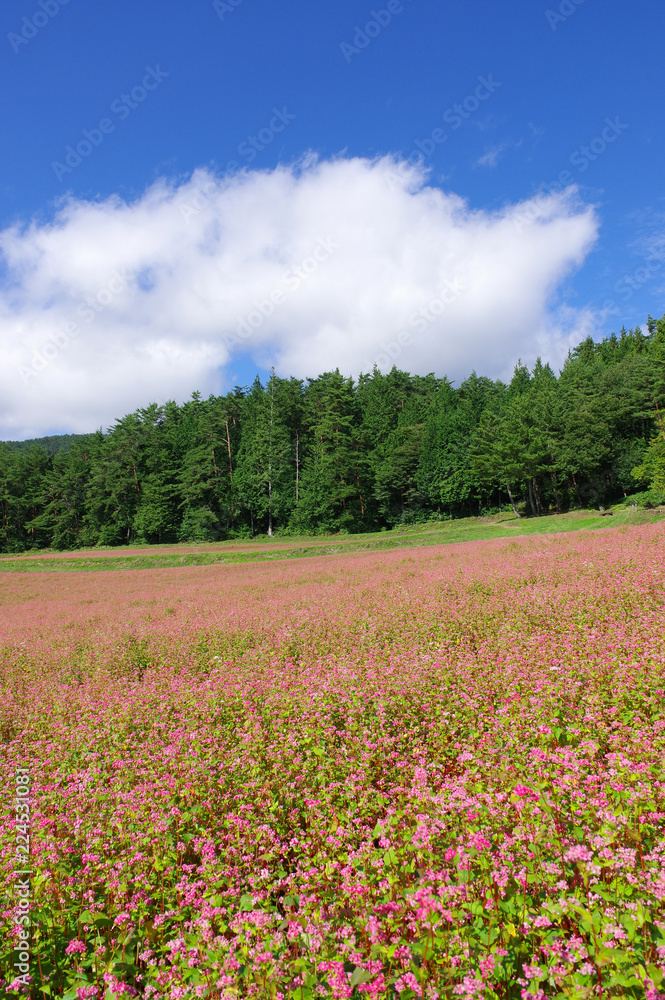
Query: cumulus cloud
(344, 263)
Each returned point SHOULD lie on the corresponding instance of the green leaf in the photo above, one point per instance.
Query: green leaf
(360, 976)
(621, 980)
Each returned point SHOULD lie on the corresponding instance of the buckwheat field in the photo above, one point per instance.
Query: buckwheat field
(426, 773)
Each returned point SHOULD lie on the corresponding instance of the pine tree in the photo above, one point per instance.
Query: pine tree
(64, 494)
(207, 484)
(22, 474)
(264, 460)
(114, 489)
(328, 455)
(652, 466)
(394, 410)
(335, 478)
(493, 457)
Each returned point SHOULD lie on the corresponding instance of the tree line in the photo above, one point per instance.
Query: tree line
(328, 454)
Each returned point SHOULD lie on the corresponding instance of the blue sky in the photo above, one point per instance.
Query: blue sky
(569, 91)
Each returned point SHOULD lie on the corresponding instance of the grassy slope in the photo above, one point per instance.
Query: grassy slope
(264, 549)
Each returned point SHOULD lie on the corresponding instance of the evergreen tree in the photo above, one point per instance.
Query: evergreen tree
(113, 490)
(652, 466)
(330, 455)
(264, 462)
(493, 458)
(335, 484)
(22, 473)
(207, 484)
(64, 494)
(394, 410)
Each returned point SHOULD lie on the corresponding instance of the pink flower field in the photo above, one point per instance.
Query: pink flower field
(432, 773)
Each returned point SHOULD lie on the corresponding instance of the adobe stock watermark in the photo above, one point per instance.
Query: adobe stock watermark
(31, 26)
(254, 144)
(224, 7)
(22, 873)
(61, 338)
(581, 158)
(565, 10)
(122, 107)
(249, 148)
(363, 36)
(595, 320)
(287, 285)
(419, 320)
(632, 282)
(454, 116)
(585, 155)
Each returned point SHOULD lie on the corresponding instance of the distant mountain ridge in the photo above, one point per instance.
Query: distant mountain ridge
(52, 443)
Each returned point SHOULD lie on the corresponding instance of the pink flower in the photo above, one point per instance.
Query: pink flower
(403, 955)
(650, 991)
(469, 988)
(532, 972)
(338, 980)
(117, 987)
(487, 966)
(578, 852)
(479, 842)
(524, 792)
(406, 982)
(75, 947)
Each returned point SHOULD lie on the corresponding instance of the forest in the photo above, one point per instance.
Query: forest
(327, 454)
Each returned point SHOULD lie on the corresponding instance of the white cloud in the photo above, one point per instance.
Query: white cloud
(492, 156)
(176, 279)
